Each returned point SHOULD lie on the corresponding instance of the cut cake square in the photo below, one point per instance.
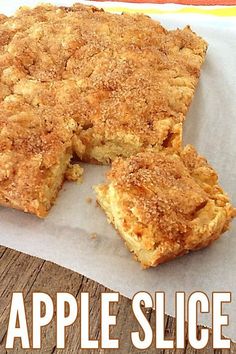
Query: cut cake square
(35, 151)
(165, 204)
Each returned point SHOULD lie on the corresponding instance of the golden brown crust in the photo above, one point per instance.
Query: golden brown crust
(165, 204)
(125, 81)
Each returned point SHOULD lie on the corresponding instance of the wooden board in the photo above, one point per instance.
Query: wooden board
(20, 272)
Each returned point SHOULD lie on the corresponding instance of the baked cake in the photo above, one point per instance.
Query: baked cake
(35, 150)
(78, 80)
(165, 204)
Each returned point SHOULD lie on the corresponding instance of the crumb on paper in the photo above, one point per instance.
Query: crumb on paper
(93, 236)
(89, 200)
(74, 173)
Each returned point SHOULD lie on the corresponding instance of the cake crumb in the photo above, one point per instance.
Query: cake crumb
(93, 236)
(89, 200)
(74, 173)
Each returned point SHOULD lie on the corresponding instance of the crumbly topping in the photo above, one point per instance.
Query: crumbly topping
(110, 72)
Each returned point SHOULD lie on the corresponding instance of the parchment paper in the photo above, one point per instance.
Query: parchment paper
(64, 237)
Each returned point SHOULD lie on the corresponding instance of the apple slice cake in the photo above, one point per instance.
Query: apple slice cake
(108, 85)
(165, 204)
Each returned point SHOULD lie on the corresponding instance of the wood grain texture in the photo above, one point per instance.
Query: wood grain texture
(20, 272)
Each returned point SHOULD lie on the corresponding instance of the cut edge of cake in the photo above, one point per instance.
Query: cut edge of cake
(209, 222)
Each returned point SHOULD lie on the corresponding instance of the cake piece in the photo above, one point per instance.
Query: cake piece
(165, 205)
(124, 79)
(35, 150)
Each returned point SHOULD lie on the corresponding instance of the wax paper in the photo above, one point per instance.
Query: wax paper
(66, 236)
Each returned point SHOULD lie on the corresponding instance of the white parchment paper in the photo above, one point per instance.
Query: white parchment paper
(64, 237)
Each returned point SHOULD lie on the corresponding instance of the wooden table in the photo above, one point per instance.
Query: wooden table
(20, 272)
